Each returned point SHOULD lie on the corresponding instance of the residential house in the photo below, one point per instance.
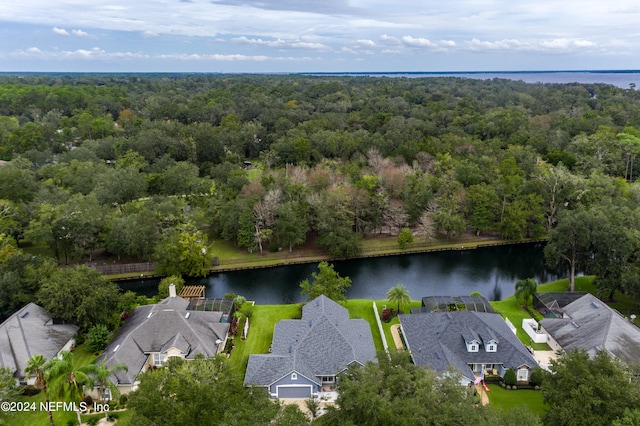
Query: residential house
(589, 324)
(307, 354)
(155, 333)
(470, 342)
(28, 332)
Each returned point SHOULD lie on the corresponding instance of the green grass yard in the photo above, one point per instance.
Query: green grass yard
(502, 399)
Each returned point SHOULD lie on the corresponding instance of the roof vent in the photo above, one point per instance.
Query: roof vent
(150, 313)
(575, 324)
(596, 305)
(116, 348)
(24, 314)
(187, 315)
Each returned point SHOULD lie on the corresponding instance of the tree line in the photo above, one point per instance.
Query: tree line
(151, 167)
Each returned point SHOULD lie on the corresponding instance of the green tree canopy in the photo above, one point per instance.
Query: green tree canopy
(80, 295)
(199, 392)
(183, 251)
(326, 281)
(582, 390)
(395, 392)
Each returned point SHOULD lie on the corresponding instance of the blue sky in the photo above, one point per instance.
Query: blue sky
(320, 35)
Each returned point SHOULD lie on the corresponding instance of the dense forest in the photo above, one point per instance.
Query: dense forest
(151, 166)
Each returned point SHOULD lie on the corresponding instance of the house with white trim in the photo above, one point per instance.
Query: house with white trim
(307, 354)
(471, 342)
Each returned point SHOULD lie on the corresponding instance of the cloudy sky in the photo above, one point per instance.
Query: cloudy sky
(318, 35)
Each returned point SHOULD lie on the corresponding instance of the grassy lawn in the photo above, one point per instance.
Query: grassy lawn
(360, 308)
(505, 400)
(261, 325)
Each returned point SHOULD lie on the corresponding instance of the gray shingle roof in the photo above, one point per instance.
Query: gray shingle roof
(437, 340)
(324, 342)
(28, 332)
(159, 327)
(593, 325)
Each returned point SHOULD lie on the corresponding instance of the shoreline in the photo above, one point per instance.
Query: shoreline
(264, 264)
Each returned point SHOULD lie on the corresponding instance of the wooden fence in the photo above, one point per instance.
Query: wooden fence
(125, 268)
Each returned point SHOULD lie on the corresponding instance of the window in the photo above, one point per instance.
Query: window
(328, 379)
(158, 360)
(523, 375)
(294, 376)
(491, 347)
(106, 395)
(473, 347)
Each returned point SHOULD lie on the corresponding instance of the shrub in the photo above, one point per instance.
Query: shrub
(537, 376)
(112, 416)
(386, 314)
(510, 377)
(405, 237)
(97, 338)
(94, 420)
(514, 387)
(30, 390)
(123, 400)
(88, 400)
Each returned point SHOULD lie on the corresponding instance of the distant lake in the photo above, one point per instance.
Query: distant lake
(492, 271)
(620, 79)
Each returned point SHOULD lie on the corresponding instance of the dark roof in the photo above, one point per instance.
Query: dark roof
(324, 342)
(592, 325)
(30, 331)
(159, 327)
(438, 340)
(442, 303)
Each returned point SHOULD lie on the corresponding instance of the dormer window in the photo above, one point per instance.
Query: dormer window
(473, 346)
(294, 376)
(491, 346)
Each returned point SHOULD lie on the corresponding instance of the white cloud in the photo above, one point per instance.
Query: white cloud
(368, 43)
(281, 44)
(417, 42)
(329, 31)
(60, 31)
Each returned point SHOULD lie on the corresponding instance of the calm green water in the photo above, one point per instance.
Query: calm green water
(492, 271)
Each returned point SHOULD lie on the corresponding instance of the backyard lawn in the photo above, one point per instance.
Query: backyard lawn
(505, 400)
(261, 323)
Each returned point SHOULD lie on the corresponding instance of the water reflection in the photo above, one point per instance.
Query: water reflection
(491, 271)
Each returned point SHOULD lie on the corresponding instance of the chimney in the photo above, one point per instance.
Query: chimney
(172, 290)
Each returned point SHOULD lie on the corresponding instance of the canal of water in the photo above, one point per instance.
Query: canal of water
(492, 271)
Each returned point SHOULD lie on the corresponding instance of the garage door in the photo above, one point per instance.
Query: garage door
(294, 391)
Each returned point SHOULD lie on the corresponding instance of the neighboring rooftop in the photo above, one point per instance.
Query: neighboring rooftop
(159, 327)
(591, 325)
(28, 332)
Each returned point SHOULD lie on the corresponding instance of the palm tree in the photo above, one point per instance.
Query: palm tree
(38, 365)
(99, 376)
(399, 294)
(65, 381)
(525, 289)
